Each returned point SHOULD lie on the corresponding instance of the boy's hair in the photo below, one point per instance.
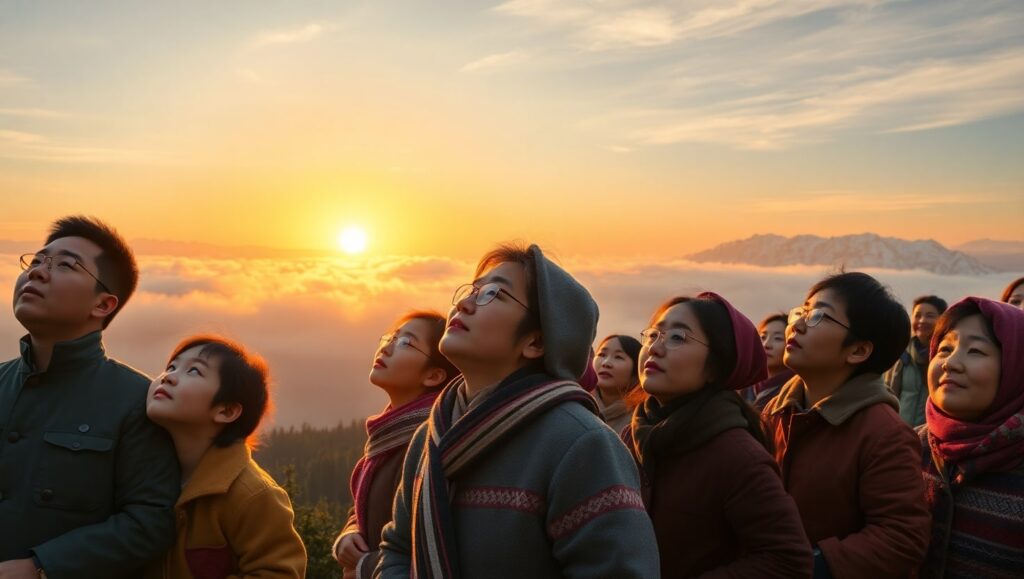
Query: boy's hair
(115, 264)
(244, 380)
(516, 253)
(776, 317)
(437, 324)
(875, 316)
(934, 301)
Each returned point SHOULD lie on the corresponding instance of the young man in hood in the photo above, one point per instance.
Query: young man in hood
(514, 474)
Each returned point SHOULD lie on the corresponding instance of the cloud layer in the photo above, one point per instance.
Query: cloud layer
(317, 321)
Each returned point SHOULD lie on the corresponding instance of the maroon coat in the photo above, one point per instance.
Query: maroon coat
(853, 468)
(720, 511)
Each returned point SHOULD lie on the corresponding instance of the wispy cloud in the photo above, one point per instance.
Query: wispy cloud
(604, 26)
(300, 35)
(494, 61)
(34, 113)
(10, 78)
(36, 147)
(862, 202)
(772, 74)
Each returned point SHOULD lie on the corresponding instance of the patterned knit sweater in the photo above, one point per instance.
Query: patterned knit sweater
(977, 524)
(559, 498)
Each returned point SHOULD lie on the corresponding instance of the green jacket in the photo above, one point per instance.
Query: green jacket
(87, 482)
(908, 380)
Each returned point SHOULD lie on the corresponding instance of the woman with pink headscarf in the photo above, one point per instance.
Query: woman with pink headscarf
(974, 442)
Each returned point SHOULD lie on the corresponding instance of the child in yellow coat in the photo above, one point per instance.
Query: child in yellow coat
(233, 520)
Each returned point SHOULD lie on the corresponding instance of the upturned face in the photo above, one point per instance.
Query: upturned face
(674, 363)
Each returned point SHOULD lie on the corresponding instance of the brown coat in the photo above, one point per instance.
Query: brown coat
(720, 511)
(382, 497)
(853, 468)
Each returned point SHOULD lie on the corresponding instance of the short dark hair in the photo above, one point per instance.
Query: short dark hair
(516, 253)
(115, 264)
(934, 301)
(959, 311)
(1009, 289)
(244, 380)
(776, 317)
(875, 315)
(437, 324)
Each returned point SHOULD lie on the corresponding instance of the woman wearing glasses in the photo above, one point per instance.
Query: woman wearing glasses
(710, 484)
(847, 458)
(408, 367)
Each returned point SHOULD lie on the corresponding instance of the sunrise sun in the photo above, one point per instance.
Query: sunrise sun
(352, 240)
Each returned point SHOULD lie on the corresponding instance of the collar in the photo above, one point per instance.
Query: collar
(67, 355)
(218, 468)
(855, 394)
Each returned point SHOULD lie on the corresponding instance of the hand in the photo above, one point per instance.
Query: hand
(348, 550)
(18, 569)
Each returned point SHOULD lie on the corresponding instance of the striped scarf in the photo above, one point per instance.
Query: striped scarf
(388, 432)
(452, 447)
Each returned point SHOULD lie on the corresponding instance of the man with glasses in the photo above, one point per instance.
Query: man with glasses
(87, 482)
(852, 466)
(514, 474)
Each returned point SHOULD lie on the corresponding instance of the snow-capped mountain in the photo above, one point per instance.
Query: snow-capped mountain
(853, 251)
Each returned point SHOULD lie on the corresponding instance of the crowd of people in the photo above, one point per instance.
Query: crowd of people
(844, 438)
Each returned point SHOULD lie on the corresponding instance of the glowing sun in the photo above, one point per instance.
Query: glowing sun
(352, 240)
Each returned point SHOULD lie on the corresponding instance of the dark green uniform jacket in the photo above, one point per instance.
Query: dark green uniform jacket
(87, 482)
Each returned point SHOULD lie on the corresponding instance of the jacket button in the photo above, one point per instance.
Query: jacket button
(13, 437)
(46, 495)
(76, 445)
(83, 428)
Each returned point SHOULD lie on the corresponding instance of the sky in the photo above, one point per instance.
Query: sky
(441, 126)
(233, 142)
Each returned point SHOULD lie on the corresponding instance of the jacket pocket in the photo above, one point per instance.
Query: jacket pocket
(210, 562)
(75, 472)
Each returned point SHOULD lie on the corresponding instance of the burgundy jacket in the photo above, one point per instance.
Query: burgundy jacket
(720, 511)
(854, 469)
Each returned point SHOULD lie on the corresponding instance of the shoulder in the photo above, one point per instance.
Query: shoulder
(126, 376)
(737, 451)
(254, 482)
(571, 420)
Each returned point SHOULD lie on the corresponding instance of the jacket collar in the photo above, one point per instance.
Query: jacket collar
(67, 355)
(854, 395)
(218, 468)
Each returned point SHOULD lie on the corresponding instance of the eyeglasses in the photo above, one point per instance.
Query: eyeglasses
(485, 294)
(401, 343)
(63, 263)
(812, 317)
(671, 338)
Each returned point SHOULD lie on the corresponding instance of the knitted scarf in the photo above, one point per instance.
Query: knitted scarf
(685, 423)
(452, 447)
(388, 432)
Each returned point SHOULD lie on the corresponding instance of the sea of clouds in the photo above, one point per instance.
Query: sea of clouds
(317, 320)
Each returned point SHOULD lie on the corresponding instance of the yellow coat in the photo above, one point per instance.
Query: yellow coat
(233, 521)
